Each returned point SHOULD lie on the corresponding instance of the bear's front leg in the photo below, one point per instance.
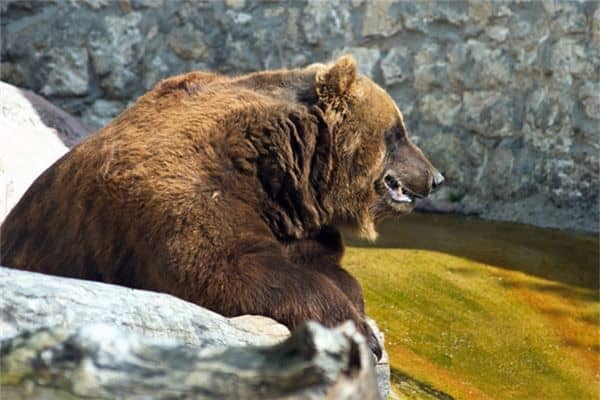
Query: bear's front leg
(264, 281)
(322, 252)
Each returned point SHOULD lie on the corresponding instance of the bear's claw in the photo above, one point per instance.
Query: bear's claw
(373, 342)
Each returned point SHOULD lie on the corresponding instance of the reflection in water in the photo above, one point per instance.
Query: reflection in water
(568, 258)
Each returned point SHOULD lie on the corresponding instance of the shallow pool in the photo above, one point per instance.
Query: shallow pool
(482, 309)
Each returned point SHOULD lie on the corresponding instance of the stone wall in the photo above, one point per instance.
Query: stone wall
(504, 97)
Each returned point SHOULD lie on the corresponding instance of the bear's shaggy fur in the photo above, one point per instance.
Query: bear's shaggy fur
(228, 192)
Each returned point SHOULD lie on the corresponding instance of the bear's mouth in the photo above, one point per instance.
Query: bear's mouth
(398, 193)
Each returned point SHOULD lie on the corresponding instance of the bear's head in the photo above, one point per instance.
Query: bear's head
(381, 172)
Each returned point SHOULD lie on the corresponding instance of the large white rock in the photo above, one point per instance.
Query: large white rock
(33, 134)
(69, 311)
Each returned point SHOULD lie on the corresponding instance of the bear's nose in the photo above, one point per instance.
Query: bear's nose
(438, 179)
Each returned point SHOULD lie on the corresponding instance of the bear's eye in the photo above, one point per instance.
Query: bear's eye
(400, 136)
(400, 132)
(395, 136)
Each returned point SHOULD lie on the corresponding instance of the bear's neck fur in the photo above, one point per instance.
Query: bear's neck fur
(309, 180)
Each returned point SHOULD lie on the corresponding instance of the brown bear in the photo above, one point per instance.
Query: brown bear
(229, 192)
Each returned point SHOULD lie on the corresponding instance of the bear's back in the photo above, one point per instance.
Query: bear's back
(102, 210)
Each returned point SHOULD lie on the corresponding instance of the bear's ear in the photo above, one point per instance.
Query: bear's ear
(337, 79)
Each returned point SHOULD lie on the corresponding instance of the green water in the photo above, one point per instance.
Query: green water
(484, 310)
